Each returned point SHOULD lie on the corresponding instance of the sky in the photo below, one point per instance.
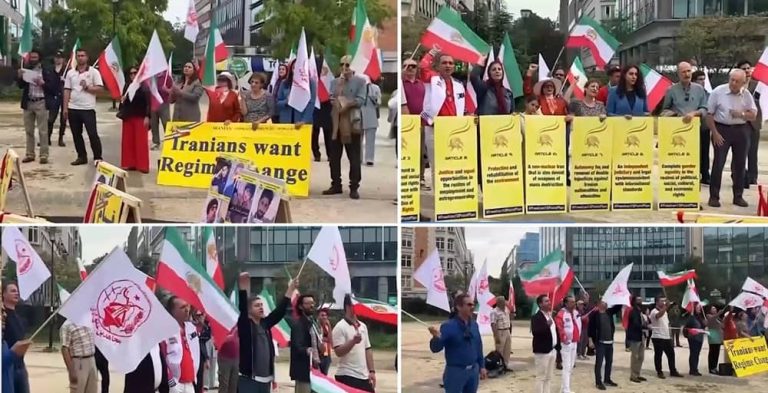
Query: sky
(177, 11)
(101, 239)
(494, 242)
(542, 8)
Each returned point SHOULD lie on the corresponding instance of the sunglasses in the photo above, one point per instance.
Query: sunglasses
(410, 66)
(345, 64)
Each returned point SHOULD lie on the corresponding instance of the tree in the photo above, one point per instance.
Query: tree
(411, 30)
(533, 35)
(455, 282)
(504, 279)
(325, 22)
(619, 27)
(183, 50)
(91, 22)
(313, 280)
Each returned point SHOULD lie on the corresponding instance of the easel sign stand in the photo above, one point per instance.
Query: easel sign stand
(284, 210)
(108, 205)
(111, 175)
(9, 166)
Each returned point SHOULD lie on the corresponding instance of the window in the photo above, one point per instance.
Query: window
(292, 236)
(440, 243)
(407, 242)
(279, 236)
(356, 235)
(371, 235)
(450, 244)
(450, 266)
(34, 235)
(406, 260)
(405, 281)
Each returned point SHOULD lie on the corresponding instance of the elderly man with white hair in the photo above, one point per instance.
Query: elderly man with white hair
(729, 110)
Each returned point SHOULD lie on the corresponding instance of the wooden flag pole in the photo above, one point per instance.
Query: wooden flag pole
(414, 317)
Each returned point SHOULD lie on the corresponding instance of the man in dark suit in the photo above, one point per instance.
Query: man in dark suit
(635, 328)
(754, 126)
(304, 344)
(150, 376)
(40, 88)
(601, 330)
(60, 68)
(545, 338)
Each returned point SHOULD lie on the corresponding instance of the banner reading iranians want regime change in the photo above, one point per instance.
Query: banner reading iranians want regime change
(275, 150)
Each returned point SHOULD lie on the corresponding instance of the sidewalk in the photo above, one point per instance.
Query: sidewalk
(59, 191)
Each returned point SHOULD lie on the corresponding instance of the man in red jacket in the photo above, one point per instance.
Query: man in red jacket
(614, 74)
(568, 330)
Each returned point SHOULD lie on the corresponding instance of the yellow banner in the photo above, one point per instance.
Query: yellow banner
(410, 167)
(106, 207)
(6, 173)
(714, 219)
(749, 356)
(455, 168)
(275, 150)
(632, 163)
(545, 158)
(679, 164)
(591, 154)
(501, 155)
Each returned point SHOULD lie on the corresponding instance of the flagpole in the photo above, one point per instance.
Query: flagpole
(415, 50)
(414, 317)
(579, 282)
(302, 267)
(556, 60)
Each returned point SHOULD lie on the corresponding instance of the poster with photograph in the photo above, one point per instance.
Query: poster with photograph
(104, 175)
(266, 202)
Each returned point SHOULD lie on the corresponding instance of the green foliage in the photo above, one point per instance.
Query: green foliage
(533, 35)
(313, 280)
(719, 42)
(325, 22)
(411, 30)
(619, 27)
(456, 282)
(91, 21)
(183, 50)
(503, 281)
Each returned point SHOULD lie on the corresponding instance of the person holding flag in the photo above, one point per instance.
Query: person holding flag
(14, 330)
(353, 348)
(186, 95)
(463, 345)
(287, 114)
(662, 340)
(135, 114)
(257, 355)
(80, 89)
(694, 332)
(601, 331)
(304, 344)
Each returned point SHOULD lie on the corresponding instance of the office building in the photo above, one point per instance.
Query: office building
(738, 251)
(528, 248)
(597, 254)
(655, 25)
(417, 243)
(571, 11)
(428, 9)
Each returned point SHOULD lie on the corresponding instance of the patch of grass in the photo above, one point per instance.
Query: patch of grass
(381, 340)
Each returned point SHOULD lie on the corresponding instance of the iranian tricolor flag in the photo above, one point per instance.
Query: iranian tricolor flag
(324, 81)
(450, 35)
(81, 268)
(543, 277)
(587, 33)
(321, 383)
(212, 265)
(691, 297)
(656, 86)
(672, 279)
(471, 103)
(215, 51)
(181, 274)
(363, 45)
(25, 42)
(72, 63)
(577, 78)
(281, 333)
(111, 69)
(513, 80)
(63, 294)
(566, 281)
(760, 72)
(375, 310)
(31, 271)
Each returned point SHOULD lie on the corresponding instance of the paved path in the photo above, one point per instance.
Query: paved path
(47, 373)
(60, 191)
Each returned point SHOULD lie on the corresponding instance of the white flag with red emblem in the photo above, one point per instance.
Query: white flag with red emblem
(126, 317)
(31, 271)
(191, 27)
(430, 275)
(618, 291)
(328, 253)
(753, 286)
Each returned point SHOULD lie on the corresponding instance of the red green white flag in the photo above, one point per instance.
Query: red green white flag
(513, 80)
(577, 78)
(375, 311)
(363, 45)
(672, 279)
(215, 51)
(451, 36)
(281, 333)
(543, 277)
(588, 33)
(321, 383)
(25, 42)
(656, 86)
(111, 69)
(72, 63)
(181, 274)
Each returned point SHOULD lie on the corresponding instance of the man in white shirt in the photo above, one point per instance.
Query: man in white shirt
(351, 345)
(662, 341)
(80, 89)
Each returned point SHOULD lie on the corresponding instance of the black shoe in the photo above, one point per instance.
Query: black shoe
(333, 191)
(27, 159)
(740, 202)
(642, 379)
(600, 386)
(695, 373)
(675, 374)
(611, 383)
(635, 380)
(559, 366)
(354, 194)
(79, 161)
(317, 158)
(705, 181)
(713, 202)
(61, 142)
(369, 163)
(714, 372)
(660, 374)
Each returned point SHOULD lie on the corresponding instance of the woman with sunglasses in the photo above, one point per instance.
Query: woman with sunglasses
(629, 97)
(223, 103)
(287, 114)
(185, 96)
(135, 115)
(257, 105)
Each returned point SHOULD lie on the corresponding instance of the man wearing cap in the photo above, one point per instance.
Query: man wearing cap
(614, 74)
(61, 69)
(39, 89)
(445, 96)
(414, 90)
(348, 95)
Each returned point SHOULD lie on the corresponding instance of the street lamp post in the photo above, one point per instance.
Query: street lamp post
(114, 33)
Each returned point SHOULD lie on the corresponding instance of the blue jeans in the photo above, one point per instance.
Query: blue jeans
(603, 352)
(695, 351)
(461, 379)
(325, 364)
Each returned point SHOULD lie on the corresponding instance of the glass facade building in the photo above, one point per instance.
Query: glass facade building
(528, 248)
(740, 250)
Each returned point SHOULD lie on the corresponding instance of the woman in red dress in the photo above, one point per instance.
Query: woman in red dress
(135, 115)
(224, 104)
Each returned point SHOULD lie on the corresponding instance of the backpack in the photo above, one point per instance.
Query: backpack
(495, 364)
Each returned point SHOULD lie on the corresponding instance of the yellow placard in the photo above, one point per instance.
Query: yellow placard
(545, 160)
(715, 219)
(632, 163)
(106, 207)
(749, 356)
(455, 168)
(591, 154)
(410, 167)
(6, 173)
(275, 150)
(679, 164)
(501, 152)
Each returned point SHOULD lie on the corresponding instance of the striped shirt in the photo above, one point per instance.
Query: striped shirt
(79, 339)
